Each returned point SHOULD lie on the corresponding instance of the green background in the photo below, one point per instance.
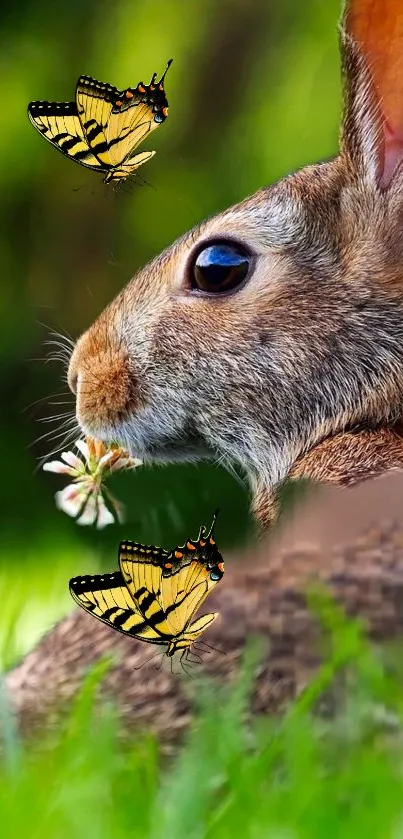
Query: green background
(254, 92)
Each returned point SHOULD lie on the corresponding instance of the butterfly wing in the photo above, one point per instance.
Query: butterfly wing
(141, 568)
(127, 129)
(185, 589)
(195, 630)
(152, 94)
(107, 598)
(135, 114)
(94, 102)
(134, 162)
(114, 132)
(127, 168)
(60, 124)
(104, 126)
(166, 601)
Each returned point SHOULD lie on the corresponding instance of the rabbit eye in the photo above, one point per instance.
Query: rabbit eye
(219, 268)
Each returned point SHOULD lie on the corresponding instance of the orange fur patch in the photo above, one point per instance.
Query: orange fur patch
(106, 391)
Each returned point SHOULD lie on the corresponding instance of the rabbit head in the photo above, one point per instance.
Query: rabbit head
(279, 322)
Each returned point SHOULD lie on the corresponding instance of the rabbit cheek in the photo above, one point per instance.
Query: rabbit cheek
(106, 391)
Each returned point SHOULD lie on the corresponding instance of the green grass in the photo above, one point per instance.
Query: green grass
(305, 775)
(34, 590)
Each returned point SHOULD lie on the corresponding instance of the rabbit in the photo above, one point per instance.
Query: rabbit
(273, 327)
(270, 336)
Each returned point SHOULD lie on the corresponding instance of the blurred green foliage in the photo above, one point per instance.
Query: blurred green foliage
(254, 92)
(305, 775)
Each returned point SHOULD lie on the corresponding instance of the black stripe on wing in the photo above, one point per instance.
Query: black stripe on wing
(83, 589)
(96, 582)
(145, 599)
(60, 124)
(100, 90)
(51, 109)
(147, 553)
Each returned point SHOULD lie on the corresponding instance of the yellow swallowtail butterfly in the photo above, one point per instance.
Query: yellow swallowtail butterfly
(104, 126)
(156, 593)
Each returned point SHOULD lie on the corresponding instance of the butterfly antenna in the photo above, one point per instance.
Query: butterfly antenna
(165, 71)
(210, 533)
(153, 77)
(202, 533)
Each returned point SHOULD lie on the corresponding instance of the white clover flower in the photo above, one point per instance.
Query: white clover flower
(85, 497)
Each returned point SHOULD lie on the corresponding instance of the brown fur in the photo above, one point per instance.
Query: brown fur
(344, 459)
(352, 457)
(297, 373)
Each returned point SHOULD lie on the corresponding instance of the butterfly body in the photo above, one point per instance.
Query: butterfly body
(156, 593)
(104, 126)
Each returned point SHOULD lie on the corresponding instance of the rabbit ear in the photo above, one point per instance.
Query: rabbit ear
(372, 52)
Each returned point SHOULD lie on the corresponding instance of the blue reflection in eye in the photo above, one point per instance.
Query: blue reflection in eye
(220, 268)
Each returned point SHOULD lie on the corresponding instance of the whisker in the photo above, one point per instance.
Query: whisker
(71, 437)
(55, 357)
(50, 434)
(45, 399)
(59, 341)
(64, 337)
(224, 461)
(55, 417)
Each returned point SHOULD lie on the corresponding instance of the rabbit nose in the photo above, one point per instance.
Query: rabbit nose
(101, 377)
(72, 374)
(72, 380)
